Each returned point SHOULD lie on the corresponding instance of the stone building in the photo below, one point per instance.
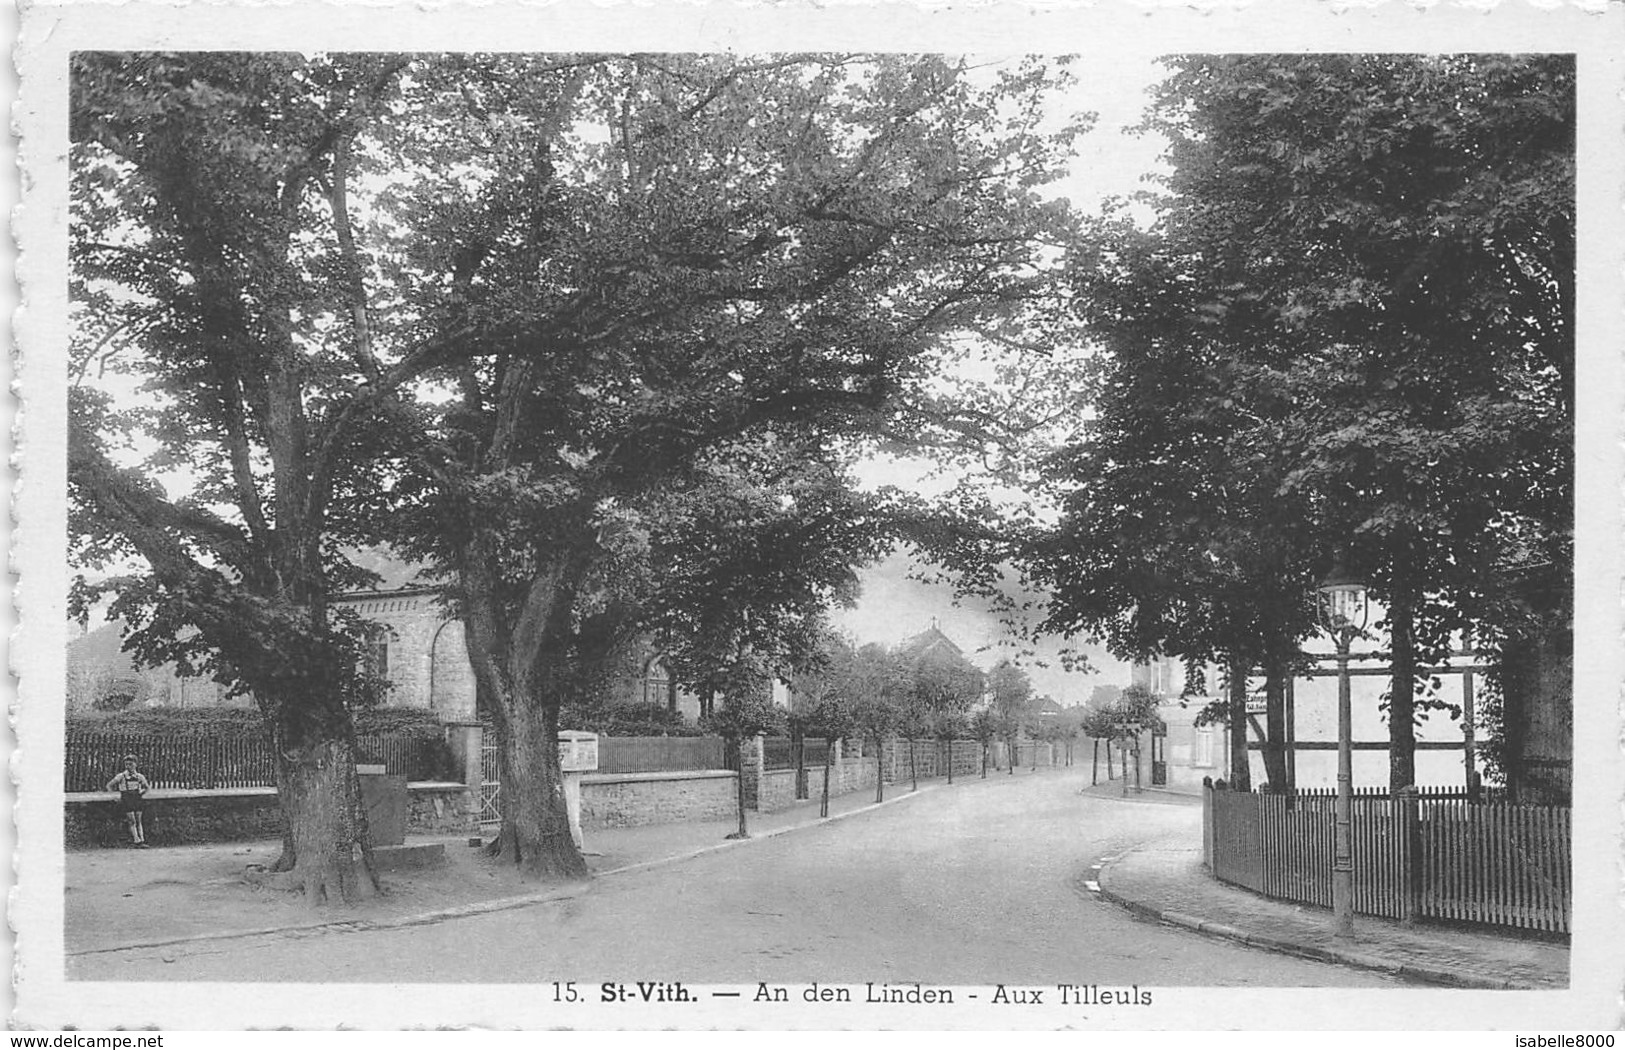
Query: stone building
(415, 646)
(418, 650)
(422, 651)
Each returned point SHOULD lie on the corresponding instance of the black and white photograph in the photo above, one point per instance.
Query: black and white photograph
(795, 518)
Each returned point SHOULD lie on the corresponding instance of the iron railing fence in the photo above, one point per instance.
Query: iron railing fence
(656, 754)
(192, 762)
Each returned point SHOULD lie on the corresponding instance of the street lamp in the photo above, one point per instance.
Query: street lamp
(1343, 612)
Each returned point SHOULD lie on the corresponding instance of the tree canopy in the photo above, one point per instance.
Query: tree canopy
(570, 312)
(1347, 335)
(221, 395)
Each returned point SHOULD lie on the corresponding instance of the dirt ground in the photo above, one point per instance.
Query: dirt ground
(121, 897)
(128, 896)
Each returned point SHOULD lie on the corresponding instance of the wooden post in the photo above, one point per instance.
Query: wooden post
(1410, 854)
(1291, 738)
(1469, 738)
(1207, 823)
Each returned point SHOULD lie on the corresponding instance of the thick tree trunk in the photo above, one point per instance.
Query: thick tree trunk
(1241, 777)
(284, 791)
(510, 653)
(1402, 745)
(330, 849)
(1402, 697)
(535, 822)
(1275, 764)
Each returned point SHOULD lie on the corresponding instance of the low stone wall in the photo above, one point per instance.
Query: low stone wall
(442, 809)
(932, 758)
(186, 818)
(625, 800)
(174, 818)
(856, 773)
(853, 772)
(608, 800)
(777, 790)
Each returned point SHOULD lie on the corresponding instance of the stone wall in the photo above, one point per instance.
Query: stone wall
(854, 772)
(243, 814)
(177, 819)
(857, 773)
(931, 758)
(778, 790)
(608, 800)
(442, 809)
(624, 800)
(428, 663)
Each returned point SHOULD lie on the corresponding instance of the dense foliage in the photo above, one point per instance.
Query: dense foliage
(575, 313)
(1348, 335)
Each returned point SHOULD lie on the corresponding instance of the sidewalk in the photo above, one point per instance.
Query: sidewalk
(121, 898)
(1166, 881)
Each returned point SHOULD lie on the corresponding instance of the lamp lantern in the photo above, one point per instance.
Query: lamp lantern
(1343, 606)
(1343, 610)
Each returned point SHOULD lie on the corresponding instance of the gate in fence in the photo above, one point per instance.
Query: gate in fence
(490, 783)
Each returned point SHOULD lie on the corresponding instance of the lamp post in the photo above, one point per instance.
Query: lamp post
(1343, 611)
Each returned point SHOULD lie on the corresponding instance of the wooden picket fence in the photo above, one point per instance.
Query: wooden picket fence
(208, 762)
(1491, 863)
(1522, 875)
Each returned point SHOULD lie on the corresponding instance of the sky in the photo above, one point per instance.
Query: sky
(895, 607)
(1110, 162)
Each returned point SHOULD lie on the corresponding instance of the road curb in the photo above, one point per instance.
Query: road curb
(1357, 960)
(1144, 796)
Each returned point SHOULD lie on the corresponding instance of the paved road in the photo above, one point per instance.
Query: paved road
(974, 885)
